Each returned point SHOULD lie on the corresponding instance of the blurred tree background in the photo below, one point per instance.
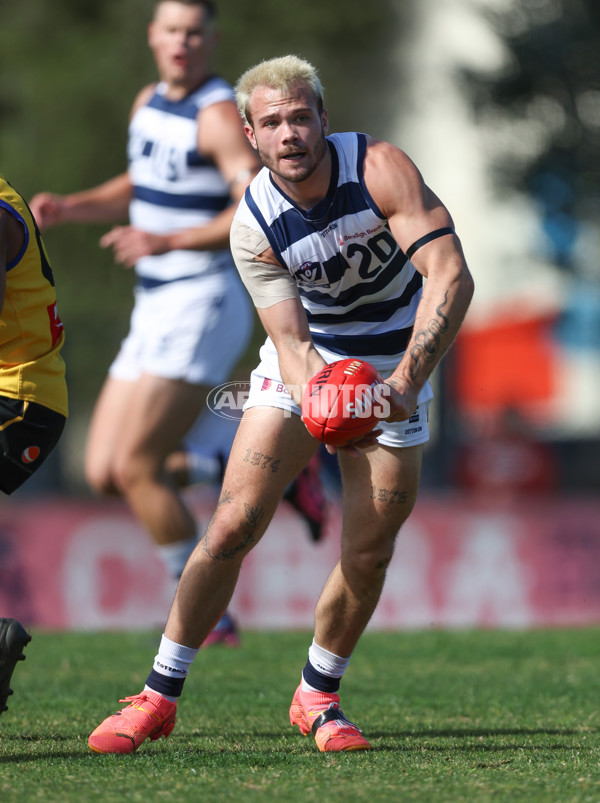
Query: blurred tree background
(549, 91)
(544, 105)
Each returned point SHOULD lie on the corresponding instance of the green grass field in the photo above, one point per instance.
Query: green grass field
(453, 716)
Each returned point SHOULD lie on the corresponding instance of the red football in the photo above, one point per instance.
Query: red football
(341, 401)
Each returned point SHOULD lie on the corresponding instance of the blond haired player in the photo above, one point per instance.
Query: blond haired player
(333, 240)
(189, 163)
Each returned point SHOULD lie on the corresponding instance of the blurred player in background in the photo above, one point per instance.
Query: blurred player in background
(33, 390)
(188, 163)
(211, 435)
(333, 240)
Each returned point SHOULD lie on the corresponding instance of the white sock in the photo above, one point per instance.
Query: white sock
(173, 660)
(325, 662)
(175, 555)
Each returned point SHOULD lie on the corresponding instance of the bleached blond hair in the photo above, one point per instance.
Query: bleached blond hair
(279, 73)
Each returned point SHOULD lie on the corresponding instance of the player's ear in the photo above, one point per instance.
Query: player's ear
(249, 132)
(324, 122)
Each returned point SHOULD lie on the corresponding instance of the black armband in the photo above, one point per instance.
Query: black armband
(427, 238)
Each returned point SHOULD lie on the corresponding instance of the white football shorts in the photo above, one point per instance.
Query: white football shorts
(195, 330)
(267, 390)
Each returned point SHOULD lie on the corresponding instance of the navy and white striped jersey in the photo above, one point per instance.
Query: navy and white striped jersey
(174, 186)
(359, 290)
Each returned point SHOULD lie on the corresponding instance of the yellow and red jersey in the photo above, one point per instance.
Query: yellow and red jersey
(31, 332)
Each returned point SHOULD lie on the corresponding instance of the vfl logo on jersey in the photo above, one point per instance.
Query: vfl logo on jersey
(364, 260)
(308, 272)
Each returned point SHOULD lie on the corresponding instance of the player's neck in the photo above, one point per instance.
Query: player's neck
(179, 90)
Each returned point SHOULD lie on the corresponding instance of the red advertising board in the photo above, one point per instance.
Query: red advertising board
(89, 565)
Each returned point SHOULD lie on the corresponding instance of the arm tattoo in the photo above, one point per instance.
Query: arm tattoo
(427, 340)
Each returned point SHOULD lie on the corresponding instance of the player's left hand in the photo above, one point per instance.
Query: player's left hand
(130, 244)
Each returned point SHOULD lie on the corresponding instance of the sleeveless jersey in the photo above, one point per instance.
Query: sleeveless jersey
(31, 333)
(359, 290)
(174, 185)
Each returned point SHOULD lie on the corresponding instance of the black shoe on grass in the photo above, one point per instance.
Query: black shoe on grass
(13, 638)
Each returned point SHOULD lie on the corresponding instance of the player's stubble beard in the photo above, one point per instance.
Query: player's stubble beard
(320, 150)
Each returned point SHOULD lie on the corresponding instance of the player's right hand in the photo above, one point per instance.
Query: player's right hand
(403, 400)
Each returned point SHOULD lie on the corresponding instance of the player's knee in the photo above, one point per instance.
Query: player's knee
(234, 532)
(369, 564)
(128, 473)
(226, 546)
